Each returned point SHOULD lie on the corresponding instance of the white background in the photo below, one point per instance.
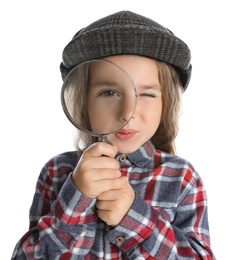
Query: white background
(34, 129)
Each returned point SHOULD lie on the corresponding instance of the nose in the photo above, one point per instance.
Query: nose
(127, 109)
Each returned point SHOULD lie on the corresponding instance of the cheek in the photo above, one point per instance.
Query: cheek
(152, 120)
(151, 112)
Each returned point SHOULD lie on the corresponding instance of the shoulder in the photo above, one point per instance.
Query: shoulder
(55, 172)
(62, 164)
(172, 160)
(174, 166)
(175, 178)
(66, 158)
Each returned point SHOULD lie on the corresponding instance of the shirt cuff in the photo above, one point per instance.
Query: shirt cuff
(137, 225)
(72, 207)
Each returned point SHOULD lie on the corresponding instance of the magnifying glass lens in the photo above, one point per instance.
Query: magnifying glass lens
(98, 97)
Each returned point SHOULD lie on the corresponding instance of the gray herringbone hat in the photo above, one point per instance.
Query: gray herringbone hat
(127, 33)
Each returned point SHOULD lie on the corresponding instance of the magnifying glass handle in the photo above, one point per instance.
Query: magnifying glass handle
(102, 138)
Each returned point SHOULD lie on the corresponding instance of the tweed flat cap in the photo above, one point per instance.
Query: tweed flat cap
(126, 32)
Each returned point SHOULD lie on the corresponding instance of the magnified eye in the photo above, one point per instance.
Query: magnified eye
(94, 97)
(108, 93)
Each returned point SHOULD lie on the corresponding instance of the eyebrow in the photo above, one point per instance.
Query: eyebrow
(102, 84)
(153, 86)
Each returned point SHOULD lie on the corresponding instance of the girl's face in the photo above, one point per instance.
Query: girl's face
(147, 115)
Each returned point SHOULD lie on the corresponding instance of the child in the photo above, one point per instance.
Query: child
(139, 200)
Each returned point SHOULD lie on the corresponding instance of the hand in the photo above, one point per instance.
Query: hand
(113, 205)
(95, 173)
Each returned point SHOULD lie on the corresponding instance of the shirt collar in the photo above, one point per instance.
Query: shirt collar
(144, 156)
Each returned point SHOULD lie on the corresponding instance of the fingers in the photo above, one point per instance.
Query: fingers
(114, 194)
(99, 149)
(105, 174)
(101, 162)
(113, 205)
(93, 189)
(95, 173)
(112, 184)
(109, 195)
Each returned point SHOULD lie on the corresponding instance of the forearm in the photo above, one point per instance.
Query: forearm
(150, 232)
(69, 224)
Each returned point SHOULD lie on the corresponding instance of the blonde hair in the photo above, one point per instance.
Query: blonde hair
(164, 138)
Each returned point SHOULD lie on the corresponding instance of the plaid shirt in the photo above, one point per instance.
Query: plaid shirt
(167, 220)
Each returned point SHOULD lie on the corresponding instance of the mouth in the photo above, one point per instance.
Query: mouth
(125, 134)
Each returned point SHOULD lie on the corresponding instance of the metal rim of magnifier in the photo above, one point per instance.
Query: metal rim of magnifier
(64, 107)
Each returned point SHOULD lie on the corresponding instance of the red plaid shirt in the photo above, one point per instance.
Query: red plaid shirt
(168, 219)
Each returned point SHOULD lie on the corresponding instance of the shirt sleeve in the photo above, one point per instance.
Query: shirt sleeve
(180, 232)
(59, 224)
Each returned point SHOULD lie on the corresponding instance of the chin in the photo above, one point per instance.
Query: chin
(126, 151)
(125, 147)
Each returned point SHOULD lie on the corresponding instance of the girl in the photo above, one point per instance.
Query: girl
(139, 200)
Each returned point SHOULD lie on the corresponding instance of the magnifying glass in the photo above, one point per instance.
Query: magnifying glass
(99, 98)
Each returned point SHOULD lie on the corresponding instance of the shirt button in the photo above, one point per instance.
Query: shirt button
(120, 239)
(122, 158)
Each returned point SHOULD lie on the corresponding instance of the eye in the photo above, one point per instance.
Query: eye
(108, 93)
(151, 95)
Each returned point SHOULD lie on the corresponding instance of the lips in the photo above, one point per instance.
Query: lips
(125, 134)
